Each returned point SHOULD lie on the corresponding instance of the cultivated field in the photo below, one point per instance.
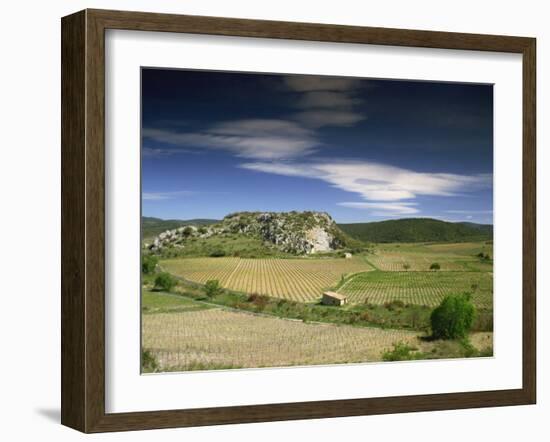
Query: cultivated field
(155, 302)
(218, 338)
(222, 338)
(419, 257)
(300, 280)
(421, 288)
(402, 273)
(193, 334)
(397, 262)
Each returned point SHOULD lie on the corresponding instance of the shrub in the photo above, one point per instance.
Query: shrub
(435, 266)
(260, 301)
(365, 316)
(402, 352)
(187, 231)
(149, 263)
(368, 304)
(148, 362)
(483, 320)
(415, 318)
(165, 281)
(217, 253)
(453, 318)
(486, 352)
(468, 349)
(212, 288)
(395, 304)
(406, 266)
(450, 349)
(484, 256)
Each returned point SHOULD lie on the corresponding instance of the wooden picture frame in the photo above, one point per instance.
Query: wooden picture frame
(83, 220)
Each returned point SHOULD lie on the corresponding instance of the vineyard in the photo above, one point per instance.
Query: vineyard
(397, 262)
(461, 248)
(300, 280)
(393, 272)
(222, 338)
(421, 288)
(193, 333)
(419, 257)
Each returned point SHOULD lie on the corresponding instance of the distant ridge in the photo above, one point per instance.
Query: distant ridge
(151, 227)
(418, 230)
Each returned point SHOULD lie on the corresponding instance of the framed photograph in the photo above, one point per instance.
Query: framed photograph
(268, 221)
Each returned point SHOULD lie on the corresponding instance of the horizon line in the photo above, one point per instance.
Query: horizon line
(354, 222)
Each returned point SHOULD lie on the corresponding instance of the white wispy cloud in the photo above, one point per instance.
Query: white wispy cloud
(384, 208)
(265, 139)
(160, 152)
(308, 83)
(466, 212)
(377, 182)
(158, 196)
(323, 117)
(321, 101)
(330, 99)
(326, 101)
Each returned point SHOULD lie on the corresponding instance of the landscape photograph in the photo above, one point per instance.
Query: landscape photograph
(304, 220)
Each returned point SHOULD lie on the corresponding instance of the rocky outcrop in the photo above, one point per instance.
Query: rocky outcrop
(291, 232)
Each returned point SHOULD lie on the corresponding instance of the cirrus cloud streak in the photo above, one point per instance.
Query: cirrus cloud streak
(378, 182)
(161, 196)
(262, 139)
(384, 208)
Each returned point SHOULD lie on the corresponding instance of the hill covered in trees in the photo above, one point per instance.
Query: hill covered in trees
(151, 227)
(418, 230)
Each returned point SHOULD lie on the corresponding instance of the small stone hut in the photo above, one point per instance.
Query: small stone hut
(333, 298)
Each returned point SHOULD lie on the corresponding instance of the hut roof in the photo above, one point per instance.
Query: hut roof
(335, 295)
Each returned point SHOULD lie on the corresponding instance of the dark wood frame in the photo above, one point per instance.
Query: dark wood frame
(83, 216)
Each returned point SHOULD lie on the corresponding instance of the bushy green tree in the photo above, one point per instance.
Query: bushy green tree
(212, 288)
(149, 263)
(435, 266)
(165, 281)
(453, 318)
(216, 253)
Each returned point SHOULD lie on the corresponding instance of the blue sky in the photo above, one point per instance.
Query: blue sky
(360, 149)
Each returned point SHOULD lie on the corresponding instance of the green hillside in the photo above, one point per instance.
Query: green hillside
(151, 227)
(418, 230)
(251, 234)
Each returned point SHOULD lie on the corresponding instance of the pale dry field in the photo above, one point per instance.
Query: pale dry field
(228, 338)
(300, 280)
